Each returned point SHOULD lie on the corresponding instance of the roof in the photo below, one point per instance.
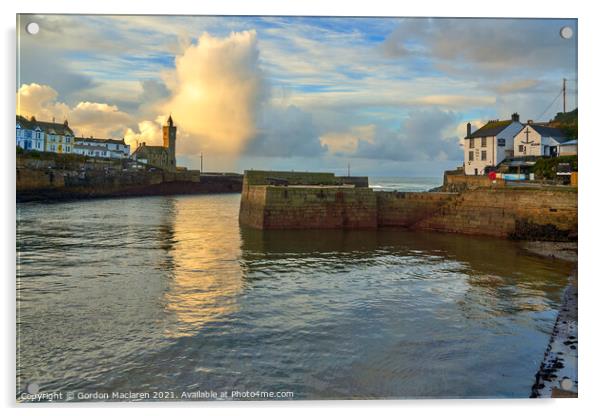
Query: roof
(492, 128)
(569, 142)
(84, 147)
(546, 131)
(145, 148)
(49, 127)
(103, 141)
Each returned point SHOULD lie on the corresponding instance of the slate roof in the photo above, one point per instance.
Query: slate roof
(84, 147)
(546, 131)
(143, 148)
(49, 127)
(492, 128)
(95, 140)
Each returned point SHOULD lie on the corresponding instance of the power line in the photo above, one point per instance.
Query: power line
(551, 104)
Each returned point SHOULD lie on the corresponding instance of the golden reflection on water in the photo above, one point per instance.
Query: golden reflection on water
(204, 282)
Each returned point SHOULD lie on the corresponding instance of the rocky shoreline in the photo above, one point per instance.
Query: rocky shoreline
(557, 376)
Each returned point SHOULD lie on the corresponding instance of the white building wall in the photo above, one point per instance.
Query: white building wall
(495, 154)
(534, 148)
(508, 134)
(567, 150)
(478, 162)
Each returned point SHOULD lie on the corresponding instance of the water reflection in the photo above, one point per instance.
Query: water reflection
(169, 293)
(205, 254)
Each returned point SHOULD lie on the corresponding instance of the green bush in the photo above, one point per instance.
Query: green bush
(546, 167)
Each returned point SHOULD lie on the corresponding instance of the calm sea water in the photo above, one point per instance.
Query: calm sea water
(404, 184)
(169, 294)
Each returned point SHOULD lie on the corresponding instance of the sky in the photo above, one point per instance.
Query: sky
(385, 96)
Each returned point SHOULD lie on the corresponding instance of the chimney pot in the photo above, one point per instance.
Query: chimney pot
(468, 130)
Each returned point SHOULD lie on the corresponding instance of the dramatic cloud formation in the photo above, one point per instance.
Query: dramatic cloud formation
(149, 132)
(394, 94)
(425, 135)
(285, 132)
(86, 118)
(216, 89)
(492, 44)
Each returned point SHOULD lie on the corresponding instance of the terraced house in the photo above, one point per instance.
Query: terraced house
(108, 148)
(44, 136)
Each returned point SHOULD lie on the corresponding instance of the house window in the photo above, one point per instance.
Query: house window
(483, 141)
(471, 143)
(470, 156)
(521, 148)
(501, 142)
(483, 154)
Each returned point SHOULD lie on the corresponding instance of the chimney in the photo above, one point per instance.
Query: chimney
(468, 130)
(66, 123)
(516, 117)
(529, 121)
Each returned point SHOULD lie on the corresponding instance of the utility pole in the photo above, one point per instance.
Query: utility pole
(564, 95)
(201, 163)
(348, 169)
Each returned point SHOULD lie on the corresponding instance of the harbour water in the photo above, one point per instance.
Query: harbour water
(404, 184)
(169, 294)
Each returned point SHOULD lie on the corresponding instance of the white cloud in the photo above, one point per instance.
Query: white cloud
(216, 90)
(347, 142)
(85, 118)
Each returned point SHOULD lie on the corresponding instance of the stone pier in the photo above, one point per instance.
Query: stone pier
(296, 200)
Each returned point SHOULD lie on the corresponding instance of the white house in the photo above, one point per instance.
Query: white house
(489, 145)
(109, 148)
(538, 140)
(30, 136)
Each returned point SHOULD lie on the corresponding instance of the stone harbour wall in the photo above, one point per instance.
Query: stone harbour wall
(252, 206)
(504, 212)
(289, 207)
(265, 177)
(60, 184)
(526, 213)
(404, 209)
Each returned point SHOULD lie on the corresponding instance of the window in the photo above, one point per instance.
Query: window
(471, 156)
(483, 141)
(483, 154)
(471, 143)
(67, 139)
(521, 148)
(501, 142)
(68, 148)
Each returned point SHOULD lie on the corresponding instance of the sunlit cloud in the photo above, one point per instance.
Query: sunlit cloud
(217, 87)
(85, 118)
(270, 88)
